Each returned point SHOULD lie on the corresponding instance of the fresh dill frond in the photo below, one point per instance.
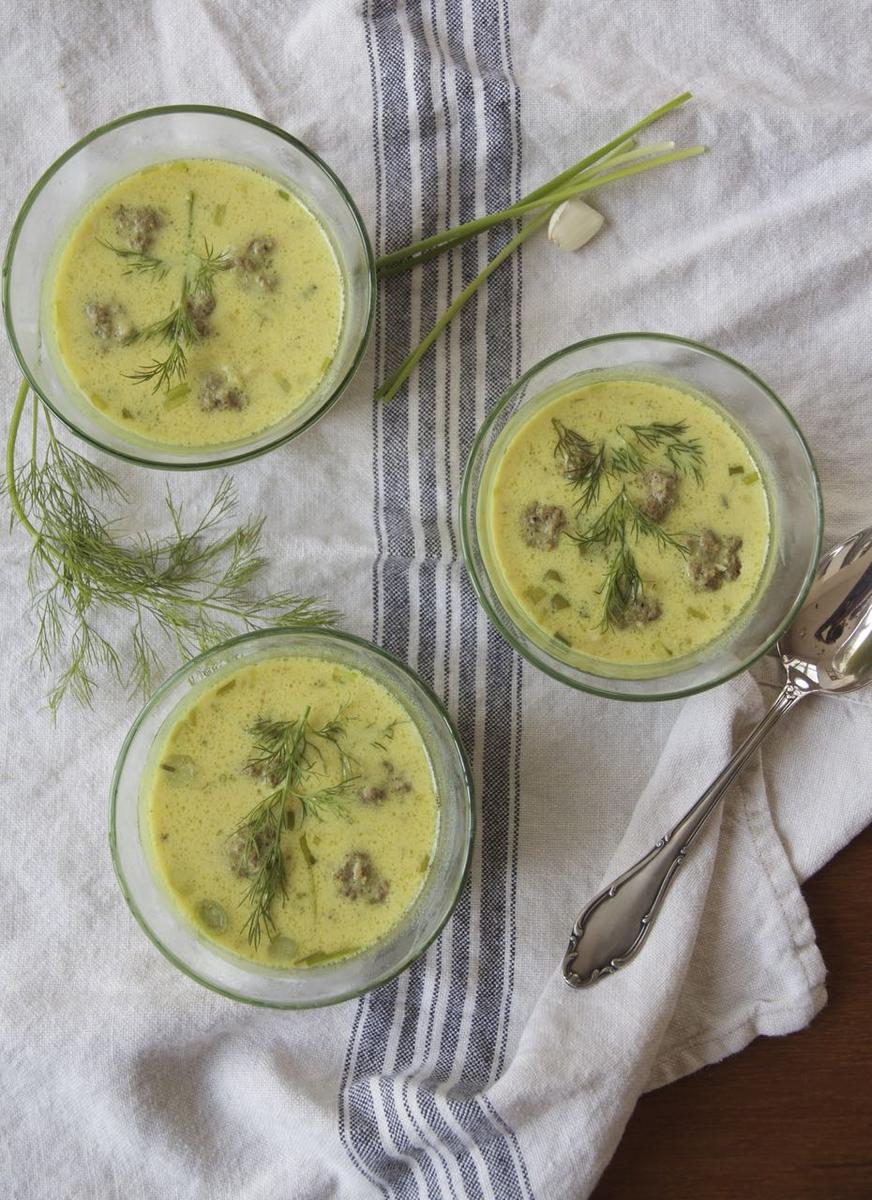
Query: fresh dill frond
(622, 519)
(285, 756)
(178, 328)
(608, 526)
(326, 799)
(163, 370)
(641, 525)
(627, 460)
(209, 264)
(583, 463)
(621, 587)
(138, 263)
(333, 732)
(182, 592)
(685, 455)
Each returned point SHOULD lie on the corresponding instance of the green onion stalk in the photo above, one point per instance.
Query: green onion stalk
(618, 159)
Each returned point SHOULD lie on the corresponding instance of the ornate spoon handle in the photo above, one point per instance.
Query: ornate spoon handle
(613, 927)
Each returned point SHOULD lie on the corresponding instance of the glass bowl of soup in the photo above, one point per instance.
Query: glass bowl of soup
(292, 818)
(641, 516)
(188, 287)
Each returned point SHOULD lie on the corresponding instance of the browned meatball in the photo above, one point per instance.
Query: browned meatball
(642, 611)
(713, 560)
(247, 853)
(219, 394)
(257, 254)
(371, 795)
(255, 263)
(200, 307)
(661, 492)
(109, 322)
(138, 227)
(542, 525)
(358, 879)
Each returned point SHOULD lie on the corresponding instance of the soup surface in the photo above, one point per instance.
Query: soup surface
(197, 302)
(628, 521)
(345, 813)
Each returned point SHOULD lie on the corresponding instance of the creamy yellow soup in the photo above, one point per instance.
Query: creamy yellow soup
(356, 824)
(625, 520)
(197, 302)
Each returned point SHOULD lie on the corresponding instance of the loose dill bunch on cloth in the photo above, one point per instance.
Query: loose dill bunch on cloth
(181, 591)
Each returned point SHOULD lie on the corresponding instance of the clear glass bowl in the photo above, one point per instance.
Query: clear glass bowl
(149, 900)
(113, 151)
(784, 459)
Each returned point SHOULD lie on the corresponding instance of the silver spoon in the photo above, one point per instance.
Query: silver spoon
(828, 648)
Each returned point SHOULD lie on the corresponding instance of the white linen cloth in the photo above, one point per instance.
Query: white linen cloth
(477, 1073)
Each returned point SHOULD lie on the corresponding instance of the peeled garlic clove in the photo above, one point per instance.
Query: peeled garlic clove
(573, 224)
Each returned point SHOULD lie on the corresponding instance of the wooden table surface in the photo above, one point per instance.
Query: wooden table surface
(788, 1118)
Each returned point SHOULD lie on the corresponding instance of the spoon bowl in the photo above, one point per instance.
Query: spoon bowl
(830, 642)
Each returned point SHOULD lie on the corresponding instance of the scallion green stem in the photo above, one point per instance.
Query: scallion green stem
(391, 386)
(631, 155)
(587, 185)
(453, 237)
(571, 172)
(593, 171)
(450, 237)
(583, 183)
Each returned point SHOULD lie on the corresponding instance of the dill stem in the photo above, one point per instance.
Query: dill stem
(12, 437)
(391, 386)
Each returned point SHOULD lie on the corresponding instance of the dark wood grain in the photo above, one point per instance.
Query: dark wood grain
(788, 1118)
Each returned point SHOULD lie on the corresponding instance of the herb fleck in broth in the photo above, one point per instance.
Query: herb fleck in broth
(357, 830)
(197, 302)
(628, 520)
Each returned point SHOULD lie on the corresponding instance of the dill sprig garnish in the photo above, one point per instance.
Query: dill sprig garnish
(684, 455)
(184, 591)
(641, 525)
(209, 264)
(621, 587)
(280, 748)
(608, 526)
(616, 524)
(178, 329)
(333, 732)
(285, 755)
(583, 463)
(138, 263)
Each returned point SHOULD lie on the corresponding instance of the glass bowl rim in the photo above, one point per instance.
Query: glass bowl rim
(468, 538)
(468, 804)
(244, 454)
